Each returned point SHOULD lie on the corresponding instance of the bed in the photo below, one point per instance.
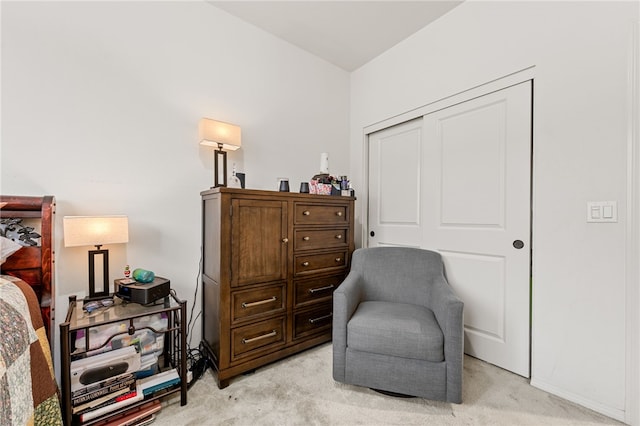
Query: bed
(28, 390)
(20, 218)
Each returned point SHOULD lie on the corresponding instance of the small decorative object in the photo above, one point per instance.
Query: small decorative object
(127, 272)
(344, 183)
(324, 163)
(283, 184)
(234, 181)
(143, 275)
(304, 187)
(324, 184)
(242, 178)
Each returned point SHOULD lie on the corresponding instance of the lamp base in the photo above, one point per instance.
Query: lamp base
(98, 297)
(220, 167)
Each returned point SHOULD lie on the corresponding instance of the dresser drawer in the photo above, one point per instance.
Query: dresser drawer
(263, 301)
(309, 239)
(320, 214)
(316, 289)
(312, 321)
(257, 337)
(322, 262)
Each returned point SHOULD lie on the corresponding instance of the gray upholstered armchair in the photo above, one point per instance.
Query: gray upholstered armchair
(397, 325)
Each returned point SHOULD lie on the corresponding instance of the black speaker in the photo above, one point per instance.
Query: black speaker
(98, 374)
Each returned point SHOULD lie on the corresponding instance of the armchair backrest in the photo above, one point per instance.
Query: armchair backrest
(397, 274)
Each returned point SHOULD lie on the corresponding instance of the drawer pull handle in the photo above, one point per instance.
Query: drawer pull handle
(315, 290)
(306, 212)
(259, 302)
(338, 259)
(306, 238)
(255, 339)
(285, 240)
(339, 236)
(305, 263)
(315, 320)
(338, 214)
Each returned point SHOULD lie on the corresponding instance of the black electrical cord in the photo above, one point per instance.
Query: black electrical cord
(197, 362)
(195, 295)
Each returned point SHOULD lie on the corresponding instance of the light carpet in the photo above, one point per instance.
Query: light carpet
(300, 390)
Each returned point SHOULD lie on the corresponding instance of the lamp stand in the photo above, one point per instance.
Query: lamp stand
(93, 294)
(220, 156)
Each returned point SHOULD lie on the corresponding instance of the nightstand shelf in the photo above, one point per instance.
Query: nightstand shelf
(127, 318)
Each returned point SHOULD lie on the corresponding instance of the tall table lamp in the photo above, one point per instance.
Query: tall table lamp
(96, 231)
(223, 136)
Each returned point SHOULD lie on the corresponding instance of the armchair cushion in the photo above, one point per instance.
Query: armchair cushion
(396, 329)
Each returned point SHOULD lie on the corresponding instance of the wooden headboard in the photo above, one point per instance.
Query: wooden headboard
(34, 264)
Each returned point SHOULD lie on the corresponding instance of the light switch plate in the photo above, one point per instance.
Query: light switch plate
(602, 211)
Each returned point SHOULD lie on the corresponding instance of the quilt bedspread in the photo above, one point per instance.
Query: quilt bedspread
(28, 390)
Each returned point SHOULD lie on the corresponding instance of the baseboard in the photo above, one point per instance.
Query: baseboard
(614, 413)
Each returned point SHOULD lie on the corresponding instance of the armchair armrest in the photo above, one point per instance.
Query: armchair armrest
(346, 299)
(448, 309)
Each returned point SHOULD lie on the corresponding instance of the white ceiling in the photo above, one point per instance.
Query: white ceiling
(346, 33)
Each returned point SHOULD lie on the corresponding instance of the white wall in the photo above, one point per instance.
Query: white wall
(100, 107)
(580, 54)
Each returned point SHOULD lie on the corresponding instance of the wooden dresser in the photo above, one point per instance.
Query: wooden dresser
(271, 261)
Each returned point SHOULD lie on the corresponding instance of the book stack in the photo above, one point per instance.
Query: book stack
(158, 382)
(110, 381)
(94, 395)
(120, 401)
(104, 383)
(136, 416)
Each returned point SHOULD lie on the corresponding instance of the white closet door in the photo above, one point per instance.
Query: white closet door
(458, 181)
(395, 185)
(477, 215)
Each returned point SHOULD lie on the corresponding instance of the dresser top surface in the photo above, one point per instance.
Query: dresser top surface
(278, 194)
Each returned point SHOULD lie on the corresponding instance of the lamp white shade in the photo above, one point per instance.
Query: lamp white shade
(215, 133)
(95, 230)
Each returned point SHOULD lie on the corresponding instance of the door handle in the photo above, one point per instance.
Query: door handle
(518, 244)
(373, 234)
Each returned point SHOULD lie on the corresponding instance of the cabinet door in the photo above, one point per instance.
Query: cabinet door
(258, 241)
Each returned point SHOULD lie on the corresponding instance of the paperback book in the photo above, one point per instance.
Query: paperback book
(104, 401)
(106, 387)
(130, 398)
